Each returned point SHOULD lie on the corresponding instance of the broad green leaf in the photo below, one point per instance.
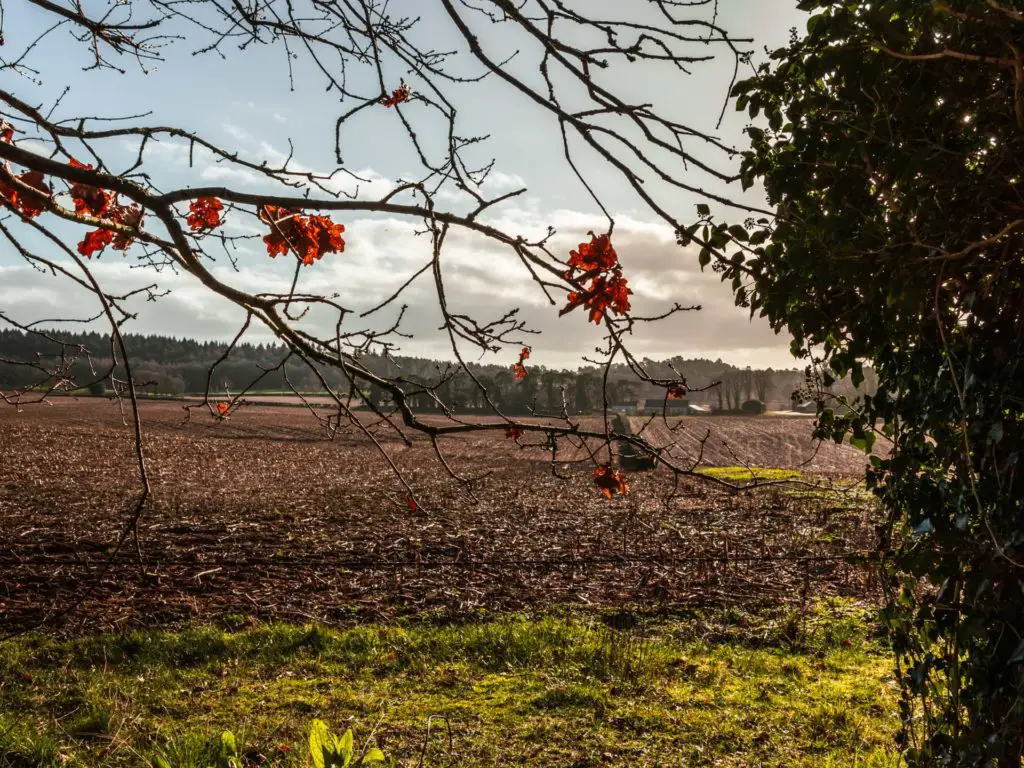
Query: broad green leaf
(739, 232)
(373, 755)
(228, 745)
(320, 741)
(344, 748)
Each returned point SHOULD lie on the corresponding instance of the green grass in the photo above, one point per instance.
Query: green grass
(729, 689)
(750, 474)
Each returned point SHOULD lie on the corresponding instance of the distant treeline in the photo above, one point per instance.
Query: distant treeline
(167, 365)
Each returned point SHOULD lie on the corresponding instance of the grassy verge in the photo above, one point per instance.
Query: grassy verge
(724, 690)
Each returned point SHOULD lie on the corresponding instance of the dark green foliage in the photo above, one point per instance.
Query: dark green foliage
(898, 243)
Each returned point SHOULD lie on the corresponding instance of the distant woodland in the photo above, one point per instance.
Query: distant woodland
(170, 366)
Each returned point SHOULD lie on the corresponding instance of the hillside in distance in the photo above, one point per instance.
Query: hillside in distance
(168, 365)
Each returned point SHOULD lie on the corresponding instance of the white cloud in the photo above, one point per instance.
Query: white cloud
(231, 174)
(482, 279)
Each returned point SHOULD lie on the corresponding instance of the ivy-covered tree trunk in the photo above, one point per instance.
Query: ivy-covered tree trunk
(890, 141)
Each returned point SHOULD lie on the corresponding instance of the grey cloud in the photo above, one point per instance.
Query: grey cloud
(482, 279)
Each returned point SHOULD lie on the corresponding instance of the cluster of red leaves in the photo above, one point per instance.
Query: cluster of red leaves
(29, 203)
(597, 262)
(88, 201)
(98, 239)
(676, 391)
(400, 94)
(513, 434)
(610, 481)
(518, 369)
(204, 213)
(101, 204)
(310, 237)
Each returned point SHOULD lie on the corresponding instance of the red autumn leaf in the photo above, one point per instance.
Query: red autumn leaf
(400, 94)
(8, 193)
(309, 237)
(602, 294)
(31, 204)
(95, 241)
(323, 236)
(512, 433)
(278, 219)
(129, 216)
(676, 391)
(204, 213)
(518, 369)
(89, 200)
(223, 408)
(610, 481)
(597, 255)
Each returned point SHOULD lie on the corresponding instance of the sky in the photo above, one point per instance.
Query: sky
(246, 100)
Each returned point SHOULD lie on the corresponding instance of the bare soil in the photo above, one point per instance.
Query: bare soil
(263, 515)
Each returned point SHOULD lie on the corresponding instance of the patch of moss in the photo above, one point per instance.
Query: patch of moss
(750, 475)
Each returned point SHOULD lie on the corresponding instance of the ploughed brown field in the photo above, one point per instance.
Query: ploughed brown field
(264, 514)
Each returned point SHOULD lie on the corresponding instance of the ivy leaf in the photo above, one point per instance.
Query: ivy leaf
(739, 232)
(864, 442)
(814, 22)
(1018, 655)
(995, 433)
